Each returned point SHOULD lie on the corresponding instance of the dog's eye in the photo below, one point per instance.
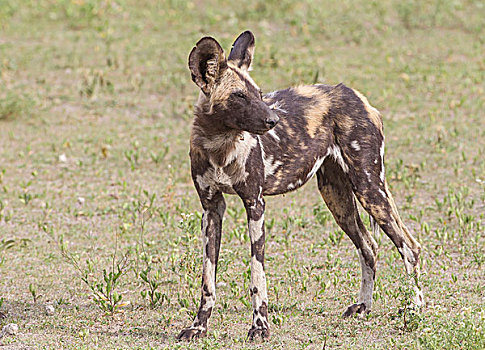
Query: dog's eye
(239, 94)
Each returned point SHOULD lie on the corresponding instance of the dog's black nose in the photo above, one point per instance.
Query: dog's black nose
(272, 121)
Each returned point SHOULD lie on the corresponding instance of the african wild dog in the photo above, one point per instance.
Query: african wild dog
(253, 145)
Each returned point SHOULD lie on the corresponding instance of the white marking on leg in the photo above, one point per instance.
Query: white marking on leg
(210, 272)
(368, 176)
(258, 280)
(316, 166)
(260, 195)
(202, 181)
(256, 229)
(381, 151)
(418, 297)
(355, 145)
(335, 152)
(367, 282)
(204, 226)
(374, 225)
(382, 193)
(408, 257)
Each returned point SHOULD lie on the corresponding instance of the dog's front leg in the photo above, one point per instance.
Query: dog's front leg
(259, 295)
(214, 207)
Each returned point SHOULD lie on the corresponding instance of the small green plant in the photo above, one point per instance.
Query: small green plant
(103, 289)
(321, 214)
(25, 196)
(153, 280)
(411, 317)
(158, 157)
(94, 82)
(33, 292)
(133, 155)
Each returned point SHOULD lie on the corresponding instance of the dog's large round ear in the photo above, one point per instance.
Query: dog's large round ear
(206, 63)
(242, 51)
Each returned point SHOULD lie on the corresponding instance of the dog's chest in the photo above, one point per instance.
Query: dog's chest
(220, 178)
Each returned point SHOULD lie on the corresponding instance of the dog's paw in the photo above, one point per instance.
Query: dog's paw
(256, 332)
(353, 309)
(191, 333)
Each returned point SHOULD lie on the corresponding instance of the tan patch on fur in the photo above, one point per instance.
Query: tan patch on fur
(374, 114)
(306, 91)
(345, 123)
(244, 73)
(287, 128)
(229, 82)
(314, 114)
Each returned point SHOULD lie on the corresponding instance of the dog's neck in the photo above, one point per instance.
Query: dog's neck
(211, 137)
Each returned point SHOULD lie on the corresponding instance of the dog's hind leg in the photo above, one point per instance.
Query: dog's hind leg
(370, 188)
(336, 190)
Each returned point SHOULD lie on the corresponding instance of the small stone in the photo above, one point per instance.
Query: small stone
(9, 329)
(221, 284)
(81, 200)
(49, 310)
(62, 158)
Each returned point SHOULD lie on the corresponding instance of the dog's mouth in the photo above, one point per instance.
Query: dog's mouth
(261, 131)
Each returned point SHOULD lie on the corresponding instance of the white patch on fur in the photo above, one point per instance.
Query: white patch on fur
(368, 176)
(418, 297)
(277, 107)
(258, 280)
(216, 176)
(381, 151)
(335, 152)
(367, 283)
(205, 223)
(243, 147)
(269, 166)
(260, 195)
(202, 181)
(383, 194)
(211, 285)
(355, 145)
(297, 184)
(316, 166)
(270, 94)
(272, 133)
(243, 144)
(374, 225)
(256, 229)
(408, 257)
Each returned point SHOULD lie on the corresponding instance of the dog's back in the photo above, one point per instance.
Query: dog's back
(315, 122)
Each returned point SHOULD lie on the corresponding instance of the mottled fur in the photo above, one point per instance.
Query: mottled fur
(252, 145)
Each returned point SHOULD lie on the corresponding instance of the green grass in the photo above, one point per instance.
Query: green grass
(95, 112)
